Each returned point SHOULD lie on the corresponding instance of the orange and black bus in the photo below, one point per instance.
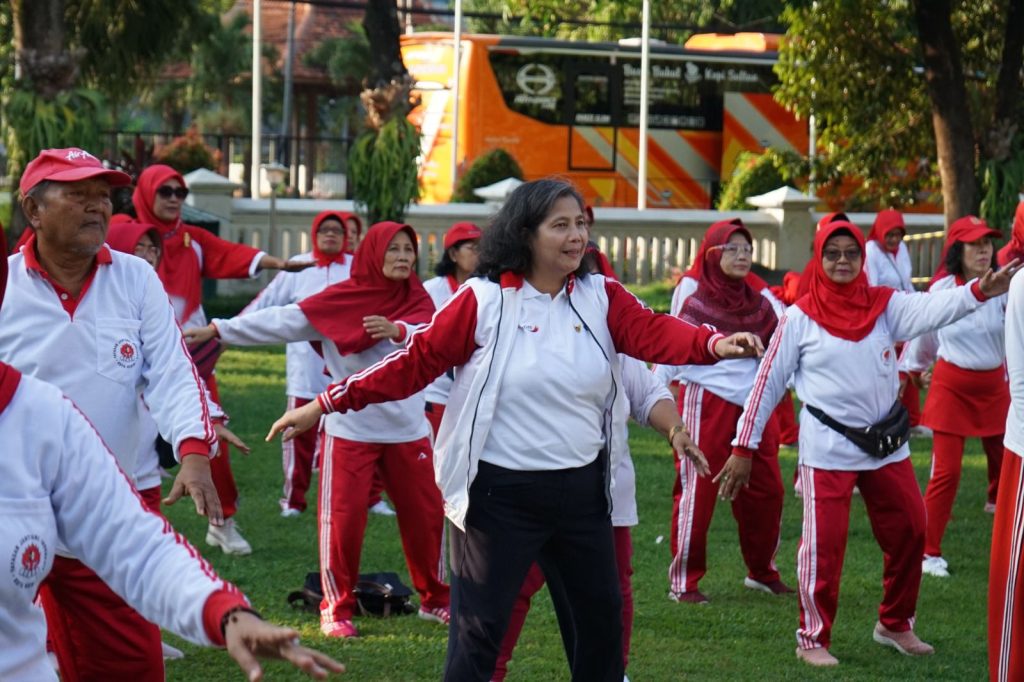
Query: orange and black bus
(573, 109)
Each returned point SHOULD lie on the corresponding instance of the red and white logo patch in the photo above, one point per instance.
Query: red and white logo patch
(126, 353)
(887, 355)
(27, 561)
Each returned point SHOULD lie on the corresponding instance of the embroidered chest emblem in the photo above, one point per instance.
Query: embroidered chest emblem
(28, 560)
(126, 353)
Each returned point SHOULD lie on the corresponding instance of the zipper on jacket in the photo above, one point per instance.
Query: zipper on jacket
(609, 426)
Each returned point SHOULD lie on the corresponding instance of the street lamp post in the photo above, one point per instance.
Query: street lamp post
(275, 176)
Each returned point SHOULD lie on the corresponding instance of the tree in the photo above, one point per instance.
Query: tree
(553, 18)
(75, 57)
(382, 162)
(383, 32)
(895, 112)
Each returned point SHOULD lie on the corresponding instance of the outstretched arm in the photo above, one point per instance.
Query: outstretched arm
(448, 341)
(643, 334)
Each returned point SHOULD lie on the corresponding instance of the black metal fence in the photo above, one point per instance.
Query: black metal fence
(309, 158)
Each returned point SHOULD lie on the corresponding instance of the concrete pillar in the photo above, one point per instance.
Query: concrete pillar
(791, 210)
(212, 193)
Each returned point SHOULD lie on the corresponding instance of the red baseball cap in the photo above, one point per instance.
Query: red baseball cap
(460, 232)
(970, 229)
(68, 165)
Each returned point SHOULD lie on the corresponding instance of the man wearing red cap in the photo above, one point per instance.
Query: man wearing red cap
(99, 326)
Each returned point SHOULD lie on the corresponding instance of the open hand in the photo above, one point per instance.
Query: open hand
(197, 335)
(739, 345)
(224, 433)
(195, 481)
(379, 327)
(685, 447)
(998, 283)
(734, 476)
(248, 638)
(294, 422)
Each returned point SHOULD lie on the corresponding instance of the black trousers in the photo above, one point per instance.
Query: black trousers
(559, 519)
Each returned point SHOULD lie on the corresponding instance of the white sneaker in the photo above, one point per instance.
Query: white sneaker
(990, 507)
(936, 566)
(171, 653)
(921, 432)
(228, 538)
(289, 512)
(382, 508)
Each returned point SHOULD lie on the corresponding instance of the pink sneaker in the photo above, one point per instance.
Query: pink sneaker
(691, 597)
(773, 587)
(907, 643)
(818, 657)
(439, 614)
(343, 629)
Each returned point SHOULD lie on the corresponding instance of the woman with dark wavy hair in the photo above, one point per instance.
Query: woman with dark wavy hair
(530, 481)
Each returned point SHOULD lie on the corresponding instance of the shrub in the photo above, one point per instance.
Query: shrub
(759, 173)
(188, 152)
(487, 169)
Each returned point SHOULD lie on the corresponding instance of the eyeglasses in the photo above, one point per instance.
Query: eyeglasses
(336, 231)
(142, 249)
(166, 192)
(471, 246)
(736, 249)
(833, 255)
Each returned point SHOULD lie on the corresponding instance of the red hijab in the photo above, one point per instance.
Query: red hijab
(697, 268)
(179, 264)
(803, 285)
(730, 305)
(1015, 247)
(885, 222)
(348, 247)
(322, 259)
(9, 377)
(337, 312)
(124, 233)
(850, 310)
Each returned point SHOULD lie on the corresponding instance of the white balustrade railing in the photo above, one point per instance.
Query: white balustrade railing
(643, 246)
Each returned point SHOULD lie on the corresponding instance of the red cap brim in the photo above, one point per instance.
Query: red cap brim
(115, 177)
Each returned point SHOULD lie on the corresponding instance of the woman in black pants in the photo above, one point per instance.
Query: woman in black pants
(521, 456)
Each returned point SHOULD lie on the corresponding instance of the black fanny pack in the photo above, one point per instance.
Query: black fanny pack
(878, 440)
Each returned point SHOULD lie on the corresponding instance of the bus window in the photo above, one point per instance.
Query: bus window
(531, 83)
(592, 108)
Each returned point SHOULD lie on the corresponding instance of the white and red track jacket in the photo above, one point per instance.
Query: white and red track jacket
(475, 333)
(854, 382)
(643, 390)
(147, 464)
(1014, 438)
(221, 260)
(116, 342)
(305, 369)
(440, 289)
(973, 342)
(730, 380)
(886, 270)
(397, 421)
(59, 485)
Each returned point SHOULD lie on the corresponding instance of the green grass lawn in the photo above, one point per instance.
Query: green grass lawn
(741, 635)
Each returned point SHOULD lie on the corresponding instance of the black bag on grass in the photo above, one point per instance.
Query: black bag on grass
(377, 594)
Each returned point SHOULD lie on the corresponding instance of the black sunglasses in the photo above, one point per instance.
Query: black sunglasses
(166, 192)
